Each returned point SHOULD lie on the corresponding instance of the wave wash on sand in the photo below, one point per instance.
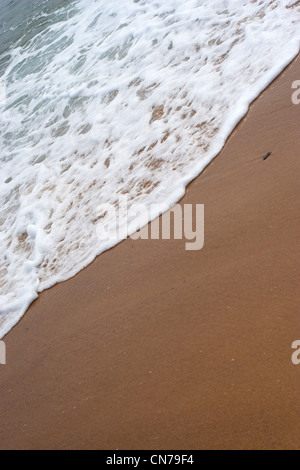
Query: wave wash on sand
(104, 99)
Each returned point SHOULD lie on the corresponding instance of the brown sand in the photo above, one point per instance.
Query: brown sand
(137, 351)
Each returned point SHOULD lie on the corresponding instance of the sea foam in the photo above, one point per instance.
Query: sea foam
(126, 97)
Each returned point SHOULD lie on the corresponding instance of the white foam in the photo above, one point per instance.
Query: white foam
(123, 97)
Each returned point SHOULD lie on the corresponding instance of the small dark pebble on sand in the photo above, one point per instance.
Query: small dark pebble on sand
(267, 155)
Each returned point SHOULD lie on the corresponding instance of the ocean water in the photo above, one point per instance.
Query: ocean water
(101, 99)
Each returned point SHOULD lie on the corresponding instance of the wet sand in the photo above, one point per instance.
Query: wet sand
(154, 347)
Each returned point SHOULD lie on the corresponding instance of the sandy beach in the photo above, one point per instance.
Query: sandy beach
(155, 347)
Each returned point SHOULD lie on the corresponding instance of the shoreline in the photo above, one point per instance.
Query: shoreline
(153, 347)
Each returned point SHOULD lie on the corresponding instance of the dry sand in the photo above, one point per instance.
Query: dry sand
(153, 347)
